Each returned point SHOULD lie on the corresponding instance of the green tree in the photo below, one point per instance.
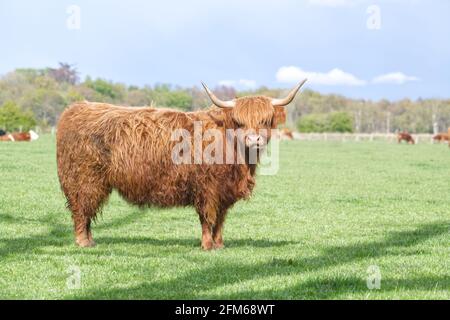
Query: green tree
(46, 105)
(107, 89)
(340, 122)
(177, 98)
(313, 123)
(12, 118)
(326, 122)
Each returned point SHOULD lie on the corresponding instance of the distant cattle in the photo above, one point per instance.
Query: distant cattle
(440, 137)
(405, 136)
(286, 134)
(19, 136)
(449, 136)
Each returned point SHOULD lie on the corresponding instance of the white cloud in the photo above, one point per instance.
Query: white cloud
(227, 83)
(246, 83)
(335, 77)
(394, 78)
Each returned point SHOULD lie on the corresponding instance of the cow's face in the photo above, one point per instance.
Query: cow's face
(256, 115)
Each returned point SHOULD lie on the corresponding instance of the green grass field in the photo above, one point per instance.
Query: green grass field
(310, 232)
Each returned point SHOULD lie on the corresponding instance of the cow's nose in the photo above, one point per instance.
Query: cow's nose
(254, 140)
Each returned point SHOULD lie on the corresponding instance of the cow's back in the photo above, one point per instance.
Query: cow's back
(130, 148)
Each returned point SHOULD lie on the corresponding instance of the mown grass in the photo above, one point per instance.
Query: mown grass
(310, 232)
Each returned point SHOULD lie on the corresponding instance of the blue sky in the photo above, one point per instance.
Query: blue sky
(397, 49)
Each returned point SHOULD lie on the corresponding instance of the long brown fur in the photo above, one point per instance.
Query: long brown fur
(101, 147)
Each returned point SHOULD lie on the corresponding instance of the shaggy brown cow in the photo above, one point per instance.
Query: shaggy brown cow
(20, 136)
(405, 136)
(101, 147)
(440, 137)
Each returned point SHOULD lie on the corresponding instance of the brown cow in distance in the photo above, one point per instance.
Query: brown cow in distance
(405, 136)
(286, 134)
(101, 147)
(20, 136)
(440, 137)
(448, 134)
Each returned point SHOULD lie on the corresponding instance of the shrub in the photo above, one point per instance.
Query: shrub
(12, 118)
(326, 122)
(312, 123)
(340, 122)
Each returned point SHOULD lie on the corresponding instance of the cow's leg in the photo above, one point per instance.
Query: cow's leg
(217, 230)
(84, 205)
(207, 240)
(207, 209)
(83, 235)
(89, 232)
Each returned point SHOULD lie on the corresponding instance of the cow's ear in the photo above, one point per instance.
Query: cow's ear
(280, 115)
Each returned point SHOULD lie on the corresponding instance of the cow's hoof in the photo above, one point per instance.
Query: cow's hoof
(208, 245)
(219, 245)
(85, 243)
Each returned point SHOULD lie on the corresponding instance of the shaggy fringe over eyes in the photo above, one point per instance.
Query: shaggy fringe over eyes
(253, 111)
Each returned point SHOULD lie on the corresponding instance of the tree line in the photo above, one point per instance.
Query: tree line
(30, 97)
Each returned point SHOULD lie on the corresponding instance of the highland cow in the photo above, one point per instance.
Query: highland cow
(101, 147)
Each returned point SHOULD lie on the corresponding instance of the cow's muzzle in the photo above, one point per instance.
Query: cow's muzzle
(255, 141)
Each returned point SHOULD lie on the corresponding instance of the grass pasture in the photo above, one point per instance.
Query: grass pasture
(310, 232)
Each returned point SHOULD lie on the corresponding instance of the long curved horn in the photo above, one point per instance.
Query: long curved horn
(217, 101)
(290, 96)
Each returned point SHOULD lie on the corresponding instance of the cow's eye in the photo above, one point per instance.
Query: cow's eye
(239, 124)
(266, 123)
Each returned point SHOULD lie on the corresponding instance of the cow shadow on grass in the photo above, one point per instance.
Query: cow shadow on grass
(193, 242)
(196, 283)
(332, 288)
(61, 235)
(19, 245)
